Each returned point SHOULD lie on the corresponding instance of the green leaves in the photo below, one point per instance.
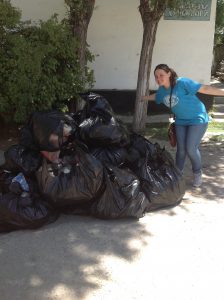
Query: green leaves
(9, 16)
(219, 23)
(39, 66)
(154, 5)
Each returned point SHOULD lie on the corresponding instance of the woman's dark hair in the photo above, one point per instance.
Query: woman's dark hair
(167, 69)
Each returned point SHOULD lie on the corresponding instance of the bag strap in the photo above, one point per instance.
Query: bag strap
(171, 114)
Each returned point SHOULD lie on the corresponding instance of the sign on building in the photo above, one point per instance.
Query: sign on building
(196, 10)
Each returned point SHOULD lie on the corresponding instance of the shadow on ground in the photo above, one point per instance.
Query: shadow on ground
(64, 260)
(213, 170)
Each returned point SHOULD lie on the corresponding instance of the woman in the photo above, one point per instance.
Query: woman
(191, 118)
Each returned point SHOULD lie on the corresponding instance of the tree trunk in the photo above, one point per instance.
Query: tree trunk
(79, 20)
(149, 35)
(151, 12)
(80, 28)
(80, 31)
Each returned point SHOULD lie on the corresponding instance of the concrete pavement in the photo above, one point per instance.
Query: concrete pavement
(170, 254)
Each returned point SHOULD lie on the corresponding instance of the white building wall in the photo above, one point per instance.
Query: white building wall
(39, 9)
(115, 36)
(187, 46)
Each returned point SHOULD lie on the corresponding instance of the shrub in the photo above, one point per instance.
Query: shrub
(39, 66)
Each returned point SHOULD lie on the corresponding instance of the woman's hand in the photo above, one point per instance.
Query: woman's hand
(211, 90)
(145, 98)
(148, 97)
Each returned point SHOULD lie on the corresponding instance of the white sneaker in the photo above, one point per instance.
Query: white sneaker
(197, 180)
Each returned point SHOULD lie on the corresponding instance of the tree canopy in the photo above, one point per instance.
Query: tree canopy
(219, 23)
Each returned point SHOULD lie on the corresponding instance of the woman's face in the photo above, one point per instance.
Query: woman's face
(162, 78)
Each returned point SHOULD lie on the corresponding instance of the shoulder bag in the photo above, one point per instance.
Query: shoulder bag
(171, 129)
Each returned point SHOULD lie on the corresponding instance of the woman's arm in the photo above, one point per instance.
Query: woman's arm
(211, 90)
(151, 97)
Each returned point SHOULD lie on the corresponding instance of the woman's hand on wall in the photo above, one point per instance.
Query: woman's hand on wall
(148, 97)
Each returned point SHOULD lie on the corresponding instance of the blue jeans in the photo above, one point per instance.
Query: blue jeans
(188, 140)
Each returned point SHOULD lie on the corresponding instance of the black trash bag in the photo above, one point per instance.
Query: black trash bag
(16, 188)
(26, 138)
(96, 105)
(72, 147)
(80, 209)
(17, 183)
(45, 131)
(110, 155)
(78, 117)
(138, 148)
(98, 124)
(76, 179)
(23, 211)
(161, 181)
(97, 132)
(5, 180)
(122, 196)
(21, 159)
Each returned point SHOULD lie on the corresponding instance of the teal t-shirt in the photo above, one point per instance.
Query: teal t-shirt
(185, 105)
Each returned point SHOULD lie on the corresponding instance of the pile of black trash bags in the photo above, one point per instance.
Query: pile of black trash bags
(85, 163)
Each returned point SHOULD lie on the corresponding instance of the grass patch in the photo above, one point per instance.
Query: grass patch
(217, 138)
(216, 126)
(159, 130)
(154, 130)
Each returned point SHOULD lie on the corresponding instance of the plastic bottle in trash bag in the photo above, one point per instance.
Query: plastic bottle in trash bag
(22, 181)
